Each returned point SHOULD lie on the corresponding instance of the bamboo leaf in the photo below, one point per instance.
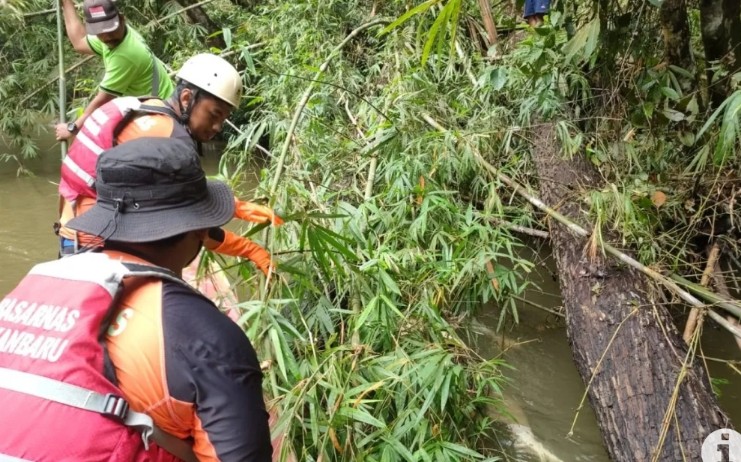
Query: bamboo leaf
(462, 450)
(455, 6)
(584, 42)
(433, 32)
(360, 415)
(715, 115)
(400, 449)
(388, 282)
(419, 9)
(367, 312)
(278, 348)
(227, 34)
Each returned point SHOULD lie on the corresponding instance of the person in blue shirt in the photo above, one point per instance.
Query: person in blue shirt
(535, 11)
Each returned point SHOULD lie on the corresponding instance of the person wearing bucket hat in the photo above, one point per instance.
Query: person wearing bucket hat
(208, 89)
(175, 356)
(152, 189)
(131, 69)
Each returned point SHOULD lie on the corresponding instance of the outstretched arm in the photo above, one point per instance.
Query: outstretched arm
(227, 243)
(75, 28)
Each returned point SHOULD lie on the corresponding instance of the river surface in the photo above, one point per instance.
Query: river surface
(545, 388)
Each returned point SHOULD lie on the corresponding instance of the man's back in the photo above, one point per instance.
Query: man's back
(191, 369)
(129, 67)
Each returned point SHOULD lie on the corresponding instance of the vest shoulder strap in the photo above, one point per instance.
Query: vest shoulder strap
(109, 405)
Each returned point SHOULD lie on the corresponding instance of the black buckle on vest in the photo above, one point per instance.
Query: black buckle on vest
(115, 406)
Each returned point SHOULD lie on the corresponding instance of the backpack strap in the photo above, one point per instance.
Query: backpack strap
(109, 405)
(150, 109)
(142, 109)
(155, 75)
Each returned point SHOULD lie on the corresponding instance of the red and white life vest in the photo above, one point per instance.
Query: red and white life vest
(56, 403)
(97, 134)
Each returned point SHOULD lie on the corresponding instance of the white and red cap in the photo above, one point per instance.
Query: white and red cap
(101, 16)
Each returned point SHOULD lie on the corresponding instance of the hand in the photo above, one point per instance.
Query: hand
(235, 245)
(61, 132)
(255, 213)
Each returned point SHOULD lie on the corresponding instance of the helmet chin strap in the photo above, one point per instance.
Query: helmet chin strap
(185, 112)
(185, 116)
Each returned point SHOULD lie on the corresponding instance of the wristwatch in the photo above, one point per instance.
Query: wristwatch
(72, 128)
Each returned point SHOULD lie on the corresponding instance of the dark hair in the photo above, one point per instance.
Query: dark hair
(166, 242)
(183, 84)
(197, 94)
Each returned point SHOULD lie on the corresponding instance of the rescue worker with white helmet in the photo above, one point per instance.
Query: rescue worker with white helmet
(208, 88)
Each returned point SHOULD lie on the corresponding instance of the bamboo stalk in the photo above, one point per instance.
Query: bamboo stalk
(521, 229)
(305, 99)
(57, 78)
(374, 159)
(581, 232)
(721, 301)
(491, 28)
(539, 306)
(62, 80)
(39, 13)
(722, 288)
(691, 324)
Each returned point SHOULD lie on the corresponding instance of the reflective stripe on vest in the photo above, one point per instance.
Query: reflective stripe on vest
(77, 170)
(6, 458)
(93, 126)
(89, 143)
(95, 136)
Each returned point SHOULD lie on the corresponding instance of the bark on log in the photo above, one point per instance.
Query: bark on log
(634, 381)
(720, 24)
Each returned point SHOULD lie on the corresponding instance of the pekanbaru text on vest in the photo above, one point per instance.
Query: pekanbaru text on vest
(49, 318)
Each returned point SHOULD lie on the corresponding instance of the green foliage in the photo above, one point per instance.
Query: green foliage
(362, 325)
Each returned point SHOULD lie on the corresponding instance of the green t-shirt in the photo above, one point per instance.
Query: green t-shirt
(128, 67)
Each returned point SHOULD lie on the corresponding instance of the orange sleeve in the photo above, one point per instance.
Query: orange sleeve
(238, 246)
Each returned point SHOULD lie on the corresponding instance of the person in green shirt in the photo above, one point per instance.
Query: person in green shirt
(131, 69)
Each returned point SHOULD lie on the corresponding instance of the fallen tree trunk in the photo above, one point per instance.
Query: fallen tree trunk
(651, 403)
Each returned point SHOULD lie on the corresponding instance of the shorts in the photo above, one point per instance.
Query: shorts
(66, 247)
(533, 7)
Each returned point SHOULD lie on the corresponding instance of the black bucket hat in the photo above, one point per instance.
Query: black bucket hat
(153, 188)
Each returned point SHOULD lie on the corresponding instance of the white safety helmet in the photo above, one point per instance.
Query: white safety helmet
(214, 75)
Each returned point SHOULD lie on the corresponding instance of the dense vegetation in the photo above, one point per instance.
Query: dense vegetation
(374, 119)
